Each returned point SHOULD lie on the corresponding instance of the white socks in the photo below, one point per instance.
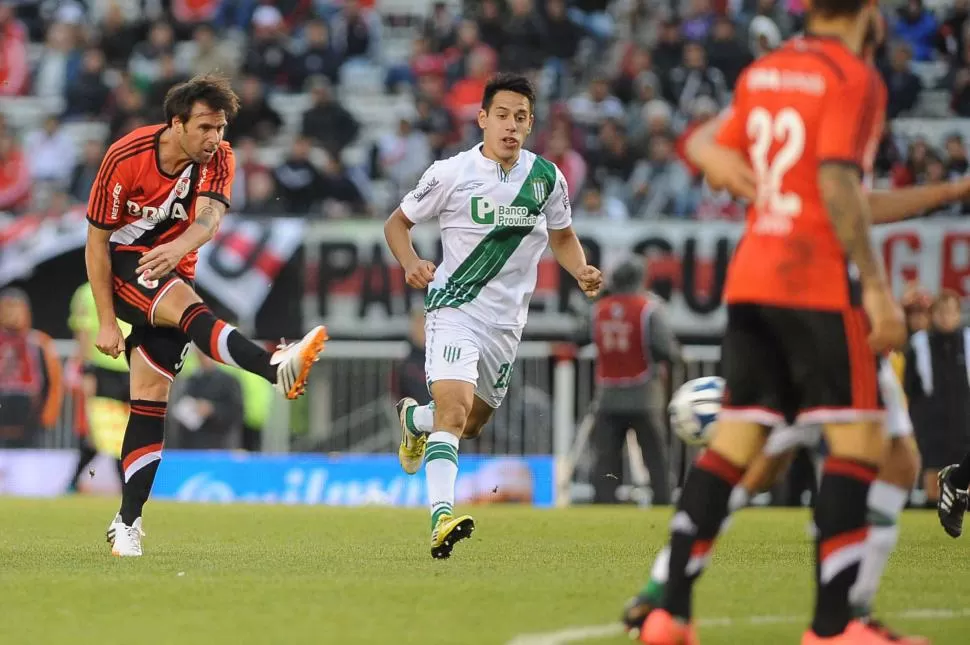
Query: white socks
(420, 420)
(886, 502)
(441, 471)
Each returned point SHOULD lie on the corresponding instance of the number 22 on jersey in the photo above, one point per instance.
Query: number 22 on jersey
(775, 208)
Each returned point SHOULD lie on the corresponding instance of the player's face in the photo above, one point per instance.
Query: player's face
(506, 124)
(201, 135)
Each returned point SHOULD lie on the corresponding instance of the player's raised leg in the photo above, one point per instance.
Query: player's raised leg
(453, 404)
(141, 452)
(417, 422)
(952, 505)
(287, 369)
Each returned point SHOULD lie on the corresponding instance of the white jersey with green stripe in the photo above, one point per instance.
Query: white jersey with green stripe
(494, 229)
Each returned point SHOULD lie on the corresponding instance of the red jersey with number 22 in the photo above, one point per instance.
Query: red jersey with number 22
(808, 103)
(143, 205)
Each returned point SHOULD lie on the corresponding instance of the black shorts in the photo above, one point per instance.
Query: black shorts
(798, 366)
(110, 384)
(164, 348)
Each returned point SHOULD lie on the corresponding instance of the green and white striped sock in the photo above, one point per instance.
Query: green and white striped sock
(419, 420)
(441, 470)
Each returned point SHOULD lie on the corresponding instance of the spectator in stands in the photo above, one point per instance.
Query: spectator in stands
(298, 180)
(52, 152)
(669, 50)
(268, 58)
(328, 122)
(188, 15)
(957, 164)
(917, 26)
(409, 378)
(660, 185)
(594, 204)
(903, 85)
(256, 118)
(206, 411)
(936, 173)
(146, 61)
(698, 22)
(403, 157)
(87, 92)
(247, 165)
(888, 155)
(570, 162)
(764, 36)
(590, 109)
(491, 27)
(168, 77)
(522, 43)
(960, 100)
(262, 196)
(440, 28)
(696, 78)
(319, 57)
(953, 32)
(913, 169)
(128, 111)
(84, 172)
(117, 35)
(560, 120)
(656, 117)
(636, 69)
(560, 43)
(594, 17)
(343, 191)
(207, 56)
(422, 63)
(726, 52)
(437, 122)
(465, 98)
(457, 58)
(14, 65)
(355, 32)
(60, 61)
(31, 384)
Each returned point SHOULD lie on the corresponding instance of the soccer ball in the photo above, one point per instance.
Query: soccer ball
(694, 408)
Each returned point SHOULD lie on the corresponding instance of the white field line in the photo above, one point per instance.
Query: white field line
(594, 632)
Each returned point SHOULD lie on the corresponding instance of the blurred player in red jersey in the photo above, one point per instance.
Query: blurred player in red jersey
(799, 346)
(160, 194)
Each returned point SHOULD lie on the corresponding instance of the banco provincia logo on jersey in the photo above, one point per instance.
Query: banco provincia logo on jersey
(487, 212)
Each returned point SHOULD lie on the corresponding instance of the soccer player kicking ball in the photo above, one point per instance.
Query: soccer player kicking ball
(498, 206)
(159, 195)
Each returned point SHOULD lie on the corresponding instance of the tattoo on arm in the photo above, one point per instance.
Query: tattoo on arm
(848, 210)
(209, 216)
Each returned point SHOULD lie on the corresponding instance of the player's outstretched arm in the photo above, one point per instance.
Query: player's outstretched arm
(418, 273)
(889, 206)
(724, 168)
(570, 255)
(848, 209)
(97, 259)
(164, 258)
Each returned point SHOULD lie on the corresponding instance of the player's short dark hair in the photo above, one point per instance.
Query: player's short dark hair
(838, 8)
(509, 83)
(214, 90)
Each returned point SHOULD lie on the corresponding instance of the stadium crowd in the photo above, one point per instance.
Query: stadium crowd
(345, 102)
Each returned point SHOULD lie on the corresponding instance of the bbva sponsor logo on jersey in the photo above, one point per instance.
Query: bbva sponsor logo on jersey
(487, 212)
(156, 214)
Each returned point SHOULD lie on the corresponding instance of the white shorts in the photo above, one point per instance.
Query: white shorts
(461, 348)
(898, 424)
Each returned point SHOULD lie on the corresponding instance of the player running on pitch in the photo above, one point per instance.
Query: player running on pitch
(498, 207)
(159, 195)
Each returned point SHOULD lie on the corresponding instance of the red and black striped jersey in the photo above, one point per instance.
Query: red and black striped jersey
(142, 204)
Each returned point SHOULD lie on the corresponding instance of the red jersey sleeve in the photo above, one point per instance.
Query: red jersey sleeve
(853, 113)
(109, 193)
(219, 173)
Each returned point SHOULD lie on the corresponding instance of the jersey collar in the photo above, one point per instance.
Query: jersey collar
(487, 165)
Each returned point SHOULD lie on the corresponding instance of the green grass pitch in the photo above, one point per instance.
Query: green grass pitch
(216, 575)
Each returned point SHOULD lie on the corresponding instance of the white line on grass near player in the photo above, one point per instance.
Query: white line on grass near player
(593, 632)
